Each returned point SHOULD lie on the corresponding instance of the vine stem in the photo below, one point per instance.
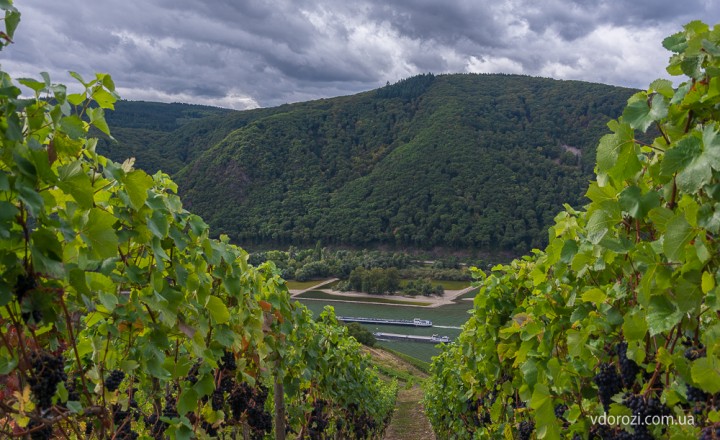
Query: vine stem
(68, 322)
(656, 373)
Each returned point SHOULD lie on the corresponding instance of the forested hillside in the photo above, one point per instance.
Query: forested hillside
(455, 161)
(141, 129)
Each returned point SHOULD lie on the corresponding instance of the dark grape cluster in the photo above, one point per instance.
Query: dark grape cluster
(260, 421)
(696, 394)
(114, 379)
(47, 373)
(209, 429)
(155, 426)
(628, 368)
(23, 285)
(71, 385)
(218, 399)
(608, 382)
(711, 432)
(122, 419)
(39, 432)
(318, 420)
(560, 411)
(695, 352)
(645, 407)
(227, 362)
(240, 400)
(526, 429)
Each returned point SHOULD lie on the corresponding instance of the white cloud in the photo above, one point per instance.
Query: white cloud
(248, 53)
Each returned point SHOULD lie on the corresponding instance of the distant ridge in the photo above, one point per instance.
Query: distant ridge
(460, 161)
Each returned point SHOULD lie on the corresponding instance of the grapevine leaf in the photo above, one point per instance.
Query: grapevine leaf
(99, 234)
(636, 204)
(680, 156)
(610, 145)
(187, 402)
(640, 113)
(137, 183)
(662, 315)
(708, 282)
(595, 296)
(218, 310)
(47, 253)
(73, 126)
(635, 326)
(678, 234)
(705, 372)
(601, 221)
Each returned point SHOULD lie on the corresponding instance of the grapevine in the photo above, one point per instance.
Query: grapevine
(121, 317)
(619, 315)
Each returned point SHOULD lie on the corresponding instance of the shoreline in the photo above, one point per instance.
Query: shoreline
(448, 298)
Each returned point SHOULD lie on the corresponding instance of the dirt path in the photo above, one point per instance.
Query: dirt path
(409, 421)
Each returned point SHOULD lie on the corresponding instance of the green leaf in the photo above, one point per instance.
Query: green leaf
(601, 221)
(676, 42)
(36, 86)
(12, 19)
(662, 315)
(97, 118)
(47, 253)
(7, 365)
(73, 126)
(137, 183)
(99, 234)
(635, 326)
(640, 115)
(705, 372)
(204, 386)
(677, 235)
(610, 145)
(80, 187)
(681, 155)
(158, 224)
(636, 204)
(218, 310)
(708, 282)
(104, 98)
(595, 296)
(187, 402)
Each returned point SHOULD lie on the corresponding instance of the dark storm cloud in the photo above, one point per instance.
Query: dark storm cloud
(245, 53)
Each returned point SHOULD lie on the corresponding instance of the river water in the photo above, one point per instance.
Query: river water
(447, 321)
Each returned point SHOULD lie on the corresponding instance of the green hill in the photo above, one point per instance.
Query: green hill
(450, 161)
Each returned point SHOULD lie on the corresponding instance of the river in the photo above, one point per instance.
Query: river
(447, 321)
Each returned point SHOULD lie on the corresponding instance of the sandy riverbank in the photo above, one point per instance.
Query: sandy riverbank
(449, 297)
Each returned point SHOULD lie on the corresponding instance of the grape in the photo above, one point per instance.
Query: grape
(113, 381)
(693, 353)
(227, 362)
(240, 400)
(710, 432)
(628, 368)
(44, 433)
(24, 284)
(156, 426)
(47, 374)
(259, 420)
(526, 429)
(218, 400)
(696, 394)
(123, 428)
(645, 407)
(608, 383)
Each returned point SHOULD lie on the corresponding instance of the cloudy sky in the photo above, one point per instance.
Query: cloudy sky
(249, 53)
